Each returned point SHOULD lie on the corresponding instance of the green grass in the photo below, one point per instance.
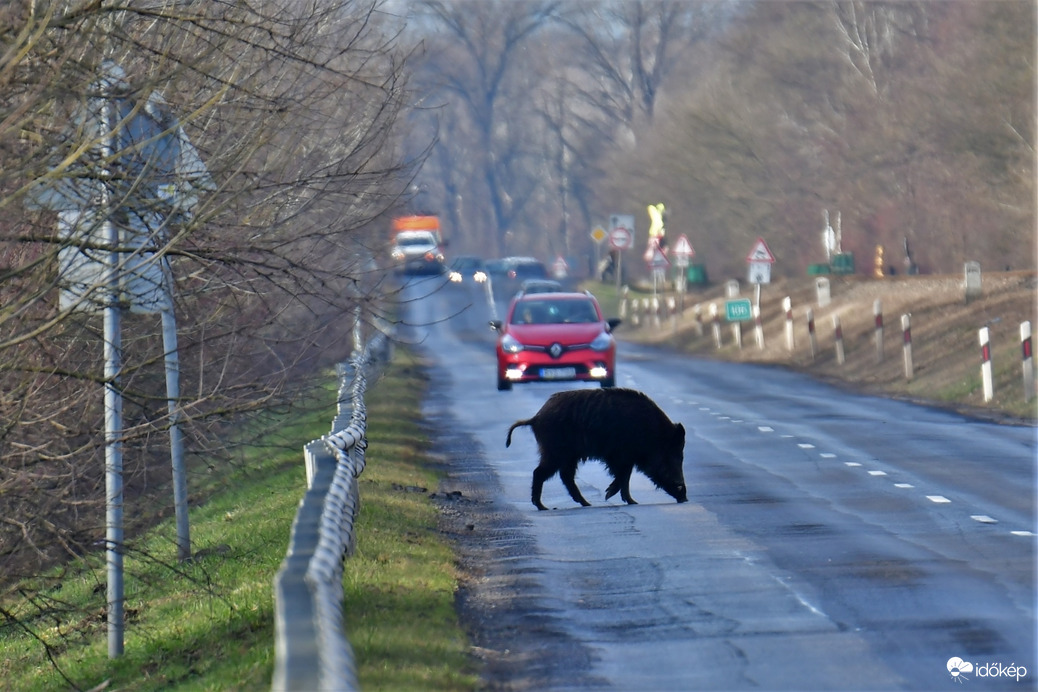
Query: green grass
(208, 625)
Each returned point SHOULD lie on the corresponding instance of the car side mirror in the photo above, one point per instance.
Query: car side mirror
(614, 323)
(495, 325)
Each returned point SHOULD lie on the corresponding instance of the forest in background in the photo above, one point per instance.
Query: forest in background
(913, 121)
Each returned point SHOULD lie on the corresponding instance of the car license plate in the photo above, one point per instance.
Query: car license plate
(558, 373)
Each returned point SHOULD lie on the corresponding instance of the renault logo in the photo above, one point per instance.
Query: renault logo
(555, 350)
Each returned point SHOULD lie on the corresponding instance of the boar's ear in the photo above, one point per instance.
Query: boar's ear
(679, 434)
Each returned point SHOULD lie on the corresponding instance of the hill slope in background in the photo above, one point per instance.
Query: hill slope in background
(945, 346)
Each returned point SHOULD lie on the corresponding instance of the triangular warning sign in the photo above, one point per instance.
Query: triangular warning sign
(760, 252)
(683, 247)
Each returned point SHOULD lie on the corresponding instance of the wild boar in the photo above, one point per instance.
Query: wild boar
(623, 428)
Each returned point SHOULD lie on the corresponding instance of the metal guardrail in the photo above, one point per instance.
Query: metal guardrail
(310, 646)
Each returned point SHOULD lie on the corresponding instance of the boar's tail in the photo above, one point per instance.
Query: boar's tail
(517, 424)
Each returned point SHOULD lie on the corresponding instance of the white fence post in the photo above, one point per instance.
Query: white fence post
(985, 365)
(906, 329)
(1028, 360)
(811, 338)
(787, 305)
(838, 338)
(877, 311)
(715, 321)
(758, 324)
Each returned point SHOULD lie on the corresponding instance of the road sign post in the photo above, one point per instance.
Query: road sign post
(621, 238)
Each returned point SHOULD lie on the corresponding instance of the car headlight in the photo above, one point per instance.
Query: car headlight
(398, 254)
(602, 342)
(509, 344)
(480, 277)
(455, 277)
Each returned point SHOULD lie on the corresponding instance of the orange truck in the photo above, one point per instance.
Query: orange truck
(417, 244)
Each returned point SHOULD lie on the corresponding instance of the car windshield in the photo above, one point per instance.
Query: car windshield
(554, 312)
(410, 240)
(530, 271)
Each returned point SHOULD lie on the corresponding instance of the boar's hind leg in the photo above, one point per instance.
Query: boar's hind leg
(568, 474)
(540, 474)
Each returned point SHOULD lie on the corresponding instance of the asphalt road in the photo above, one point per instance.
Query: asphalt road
(831, 540)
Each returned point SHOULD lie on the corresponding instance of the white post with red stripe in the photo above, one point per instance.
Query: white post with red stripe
(811, 338)
(838, 338)
(758, 327)
(877, 311)
(787, 305)
(715, 321)
(985, 366)
(906, 330)
(1028, 360)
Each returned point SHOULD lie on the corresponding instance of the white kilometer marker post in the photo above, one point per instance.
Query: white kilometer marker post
(985, 366)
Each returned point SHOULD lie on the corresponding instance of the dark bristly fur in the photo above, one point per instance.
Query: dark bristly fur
(623, 428)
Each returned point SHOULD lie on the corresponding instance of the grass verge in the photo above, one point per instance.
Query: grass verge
(208, 624)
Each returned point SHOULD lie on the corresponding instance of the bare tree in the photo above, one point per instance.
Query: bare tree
(293, 110)
(472, 66)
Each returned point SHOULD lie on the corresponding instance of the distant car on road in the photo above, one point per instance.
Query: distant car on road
(508, 273)
(541, 286)
(468, 268)
(555, 337)
(418, 252)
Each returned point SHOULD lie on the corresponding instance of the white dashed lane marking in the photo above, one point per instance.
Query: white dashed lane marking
(936, 499)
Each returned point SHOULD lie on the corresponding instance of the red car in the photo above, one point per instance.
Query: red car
(555, 337)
